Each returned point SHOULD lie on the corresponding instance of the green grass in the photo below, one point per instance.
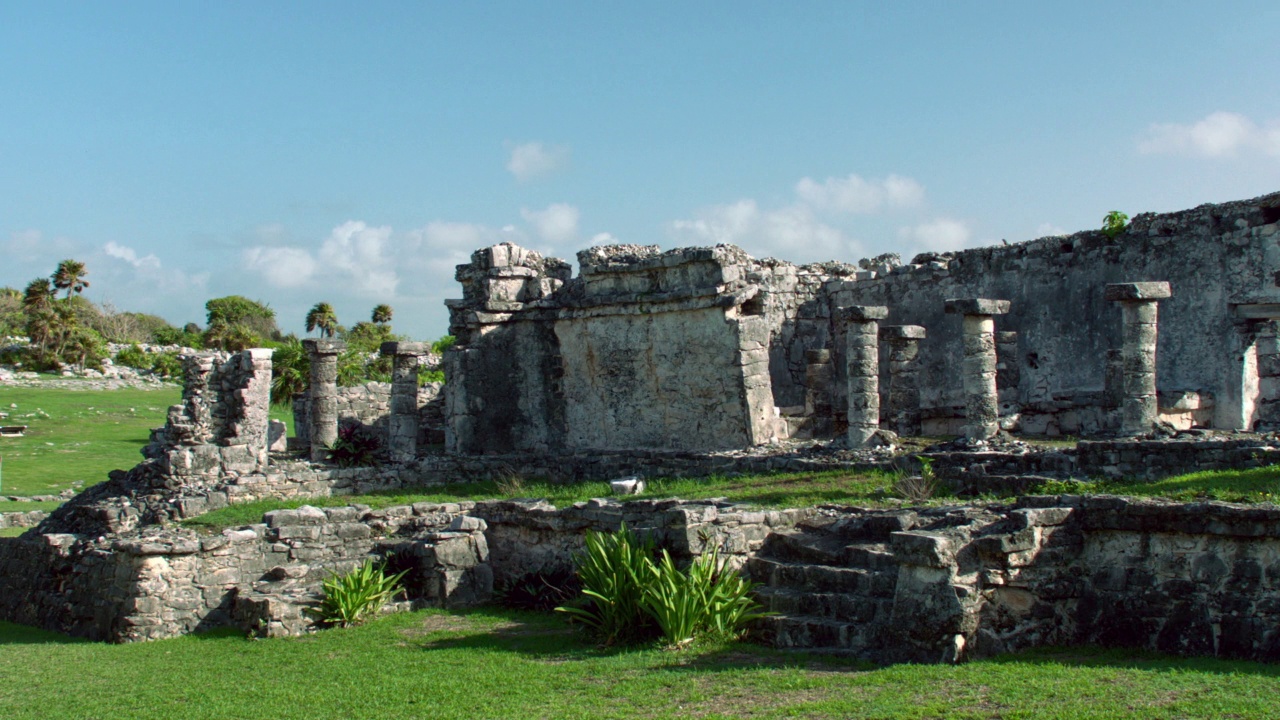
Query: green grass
(1257, 485)
(502, 664)
(12, 531)
(75, 437)
(778, 490)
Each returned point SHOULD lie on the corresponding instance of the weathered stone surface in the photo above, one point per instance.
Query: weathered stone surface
(1138, 291)
(976, 306)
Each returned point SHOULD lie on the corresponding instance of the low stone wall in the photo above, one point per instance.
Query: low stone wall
(1132, 459)
(162, 582)
(1191, 579)
(30, 518)
(370, 405)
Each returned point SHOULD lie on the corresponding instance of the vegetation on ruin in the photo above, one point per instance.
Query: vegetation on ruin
(1114, 223)
(353, 597)
(498, 664)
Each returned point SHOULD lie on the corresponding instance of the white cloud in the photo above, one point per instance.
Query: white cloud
(356, 252)
(282, 267)
(558, 223)
(534, 160)
(939, 235)
(792, 232)
(354, 257)
(130, 256)
(604, 238)
(1218, 135)
(855, 195)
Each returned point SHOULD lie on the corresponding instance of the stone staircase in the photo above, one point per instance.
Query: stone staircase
(831, 581)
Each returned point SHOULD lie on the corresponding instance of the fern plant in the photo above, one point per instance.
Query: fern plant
(706, 601)
(351, 598)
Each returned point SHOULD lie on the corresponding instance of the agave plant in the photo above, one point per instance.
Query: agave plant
(351, 598)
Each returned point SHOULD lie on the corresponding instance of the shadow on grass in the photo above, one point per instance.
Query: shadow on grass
(1134, 659)
(15, 634)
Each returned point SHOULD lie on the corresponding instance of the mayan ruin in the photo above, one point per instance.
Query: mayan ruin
(700, 361)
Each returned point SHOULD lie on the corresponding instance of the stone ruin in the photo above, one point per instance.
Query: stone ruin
(704, 360)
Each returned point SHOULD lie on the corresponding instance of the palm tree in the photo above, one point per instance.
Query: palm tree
(322, 318)
(38, 297)
(290, 372)
(70, 277)
(382, 313)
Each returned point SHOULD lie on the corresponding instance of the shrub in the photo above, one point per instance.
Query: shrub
(429, 376)
(1113, 223)
(166, 365)
(290, 371)
(630, 597)
(351, 598)
(613, 568)
(356, 445)
(133, 357)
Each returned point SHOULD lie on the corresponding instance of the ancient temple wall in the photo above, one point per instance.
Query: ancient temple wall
(1214, 257)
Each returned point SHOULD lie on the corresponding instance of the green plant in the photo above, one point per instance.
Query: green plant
(290, 371)
(444, 343)
(429, 376)
(613, 568)
(356, 446)
(1114, 223)
(257, 318)
(166, 365)
(352, 597)
(707, 600)
(322, 317)
(134, 357)
(917, 488)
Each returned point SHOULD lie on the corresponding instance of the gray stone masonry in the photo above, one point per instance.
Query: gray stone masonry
(402, 431)
(862, 355)
(1138, 408)
(817, 399)
(978, 369)
(324, 388)
(904, 377)
(1268, 378)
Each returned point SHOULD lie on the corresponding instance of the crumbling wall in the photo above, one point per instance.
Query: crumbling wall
(644, 349)
(1220, 260)
(222, 424)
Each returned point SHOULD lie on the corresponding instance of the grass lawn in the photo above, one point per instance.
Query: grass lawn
(75, 437)
(496, 664)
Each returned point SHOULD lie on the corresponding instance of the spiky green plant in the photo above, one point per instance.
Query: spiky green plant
(1114, 223)
(351, 598)
(709, 600)
(612, 567)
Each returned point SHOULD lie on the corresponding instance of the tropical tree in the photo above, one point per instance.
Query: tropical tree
(322, 318)
(382, 314)
(70, 277)
(290, 371)
(233, 310)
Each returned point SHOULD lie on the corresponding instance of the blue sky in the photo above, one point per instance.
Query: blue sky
(355, 152)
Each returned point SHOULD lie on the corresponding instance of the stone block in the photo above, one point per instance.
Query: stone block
(324, 346)
(902, 332)
(976, 306)
(861, 313)
(1137, 291)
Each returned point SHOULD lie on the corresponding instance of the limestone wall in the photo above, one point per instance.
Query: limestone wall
(1219, 259)
(369, 405)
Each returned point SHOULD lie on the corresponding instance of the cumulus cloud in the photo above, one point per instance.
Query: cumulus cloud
(1218, 135)
(855, 195)
(793, 231)
(130, 256)
(558, 223)
(357, 253)
(605, 238)
(355, 257)
(938, 235)
(282, 267)
(533, 160)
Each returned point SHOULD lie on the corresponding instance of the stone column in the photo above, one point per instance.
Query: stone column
(904, 377)
(252, 419)
(1138, 407)
(862, 358)
(817, 396)
(324, 394)
(1268, 409)
(402, 428)
(978, 368)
